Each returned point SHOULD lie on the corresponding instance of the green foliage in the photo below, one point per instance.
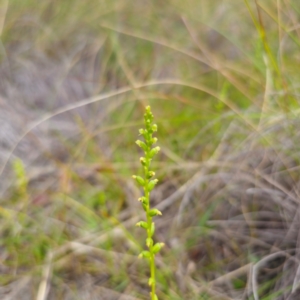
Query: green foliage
(21, 178)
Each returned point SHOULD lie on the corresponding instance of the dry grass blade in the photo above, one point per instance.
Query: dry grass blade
(44, 286)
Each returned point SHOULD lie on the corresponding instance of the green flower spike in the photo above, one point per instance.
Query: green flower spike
(148, 184)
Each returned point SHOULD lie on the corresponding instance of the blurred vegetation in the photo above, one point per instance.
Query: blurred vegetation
(222, 78)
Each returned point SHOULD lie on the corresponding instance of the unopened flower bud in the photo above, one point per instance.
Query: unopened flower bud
(142, 224)
(152, 184)
(150, 174)
(154, 127)
(143, 161)
(156, 248)
(154, 151)
(139, 180)
(154, 140)
(155, 212)
(144, 254)
(142, 199)
(141, 144)
(149, 242)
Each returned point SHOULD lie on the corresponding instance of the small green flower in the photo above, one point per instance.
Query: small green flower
(154, 127)
(153, 141)
(141, 144)
(149, 242)
(143, 161)
(142, 224)
(155, 212)
(139, 180)
(145, 254)
(152, 184)
(150, 174)
(157, 247)
(154, 151)
(142, 199)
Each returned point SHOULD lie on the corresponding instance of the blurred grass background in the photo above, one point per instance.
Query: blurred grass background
(222, 78)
